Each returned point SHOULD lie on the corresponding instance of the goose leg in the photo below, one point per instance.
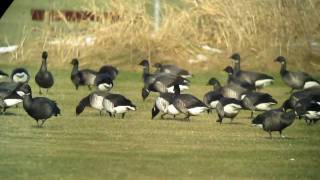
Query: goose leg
(174, 116)
(187, 117)
(251, 115)
(123, 114)
(100, 113)
(42, 123)
(47, 90)
(110, 115)
(162, 116)
(37, 123)
(270, 135)
(89, 87)
(40, 90)
(220, 119)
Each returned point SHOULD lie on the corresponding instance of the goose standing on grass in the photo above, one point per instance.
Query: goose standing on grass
(188, 104)
(93, 100)
(84, 77)
(257, 101)
(3, 74)
(274, 120)
(234, 88)
(212, 98)
(259, 80)
(228, 108)
(172, 69)
(39, 108)
(10, 95)
(308, 109)
(44, 78)
(20, 75)
(117, 104)
(164, 104)
(160, 82)
(295, 80)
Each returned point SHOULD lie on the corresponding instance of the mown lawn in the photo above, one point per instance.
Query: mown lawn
(98, 147)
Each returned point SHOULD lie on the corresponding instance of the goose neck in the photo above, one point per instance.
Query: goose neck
(283, 69)
(75, 69)
(27, 101)
(43, 65)
(236, 67)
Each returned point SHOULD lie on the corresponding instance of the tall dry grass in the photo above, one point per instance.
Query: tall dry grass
(258, 29)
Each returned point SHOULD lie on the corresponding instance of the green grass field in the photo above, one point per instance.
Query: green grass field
(98, 147)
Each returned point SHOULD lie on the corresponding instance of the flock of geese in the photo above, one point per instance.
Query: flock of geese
(242, 91)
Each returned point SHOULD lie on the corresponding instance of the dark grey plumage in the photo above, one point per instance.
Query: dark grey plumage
(44, 78)
(228, 108)
(212, 98)
(160, 82)
(84, 77)
(3, 74)
(310, 93)
(93, 100)
(259, 80)
(20, 75)
(39, 108)
(110, 71)
(309, 109)
(257, 101)
(295, 80)
(274, 120)
(164, 104)
(172, 69)
(103, 82)
(10, 95)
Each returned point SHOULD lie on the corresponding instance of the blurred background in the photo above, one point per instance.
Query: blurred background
(195, 34)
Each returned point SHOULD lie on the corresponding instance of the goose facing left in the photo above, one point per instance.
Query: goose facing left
(84, 77)
(39, 108)
(10, 95)
(44, 78)
(3, 74)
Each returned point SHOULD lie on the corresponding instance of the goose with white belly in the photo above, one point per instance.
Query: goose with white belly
(117, 104)
(295, 80)
(172, 69)
(228, 108)
(212, 98)
(257, 101)
(10, 95)
(93, 100)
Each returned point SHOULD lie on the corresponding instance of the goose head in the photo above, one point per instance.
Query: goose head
(235, 57)
(157, 65)
(24, 90)
(154, 111)
(144, 63)
(144, 93)
(228, 70)
(213, 81)
(280, 59)
(74, 61)
(44, 55)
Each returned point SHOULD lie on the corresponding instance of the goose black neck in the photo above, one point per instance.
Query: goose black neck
(283, 69)
(27, 101)
(216, 86)
(43, 65)
(176, 89)
(236, 66)
(75, 69)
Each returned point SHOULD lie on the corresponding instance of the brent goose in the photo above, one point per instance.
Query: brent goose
(309, 109)
(20, 75)
(310, 93)
(164, 104)
(172, 69)
(94, 100)
(9, 95)
(3, 74)
(257, 101)
(211, 98)
(84, 77)
(117, 104)
(160, 82)
(295, 80)
(259, 80)
(109, 71)
(44, 78)
(234, 88)
(188, 104)
(39, 108)
(274, 120)
(228, 108)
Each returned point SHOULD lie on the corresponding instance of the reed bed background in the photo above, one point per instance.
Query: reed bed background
(259, 29)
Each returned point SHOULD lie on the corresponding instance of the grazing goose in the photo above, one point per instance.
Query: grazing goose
(309, 109)
(259, 80)
(160, 82)
(9, 95)
(20, 75)
(94, 100)
(109, 71)
(257, 101)
(274, 120)
(295, 80)
(39, 108)
(164, 104)
(117, 104)
(188, 104)
(234, 88)
(228, 108)
(3, 74)
(44, 78)
(172, 69)
(103, 82)
(212, 98)
(310, 93)
(84, 77)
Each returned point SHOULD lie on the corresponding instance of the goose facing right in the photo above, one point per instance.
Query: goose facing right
(172, 69)
(39, 108)
(295, 80)
(44, 78)
(308, 109)
(228, 108)
(3, 74)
